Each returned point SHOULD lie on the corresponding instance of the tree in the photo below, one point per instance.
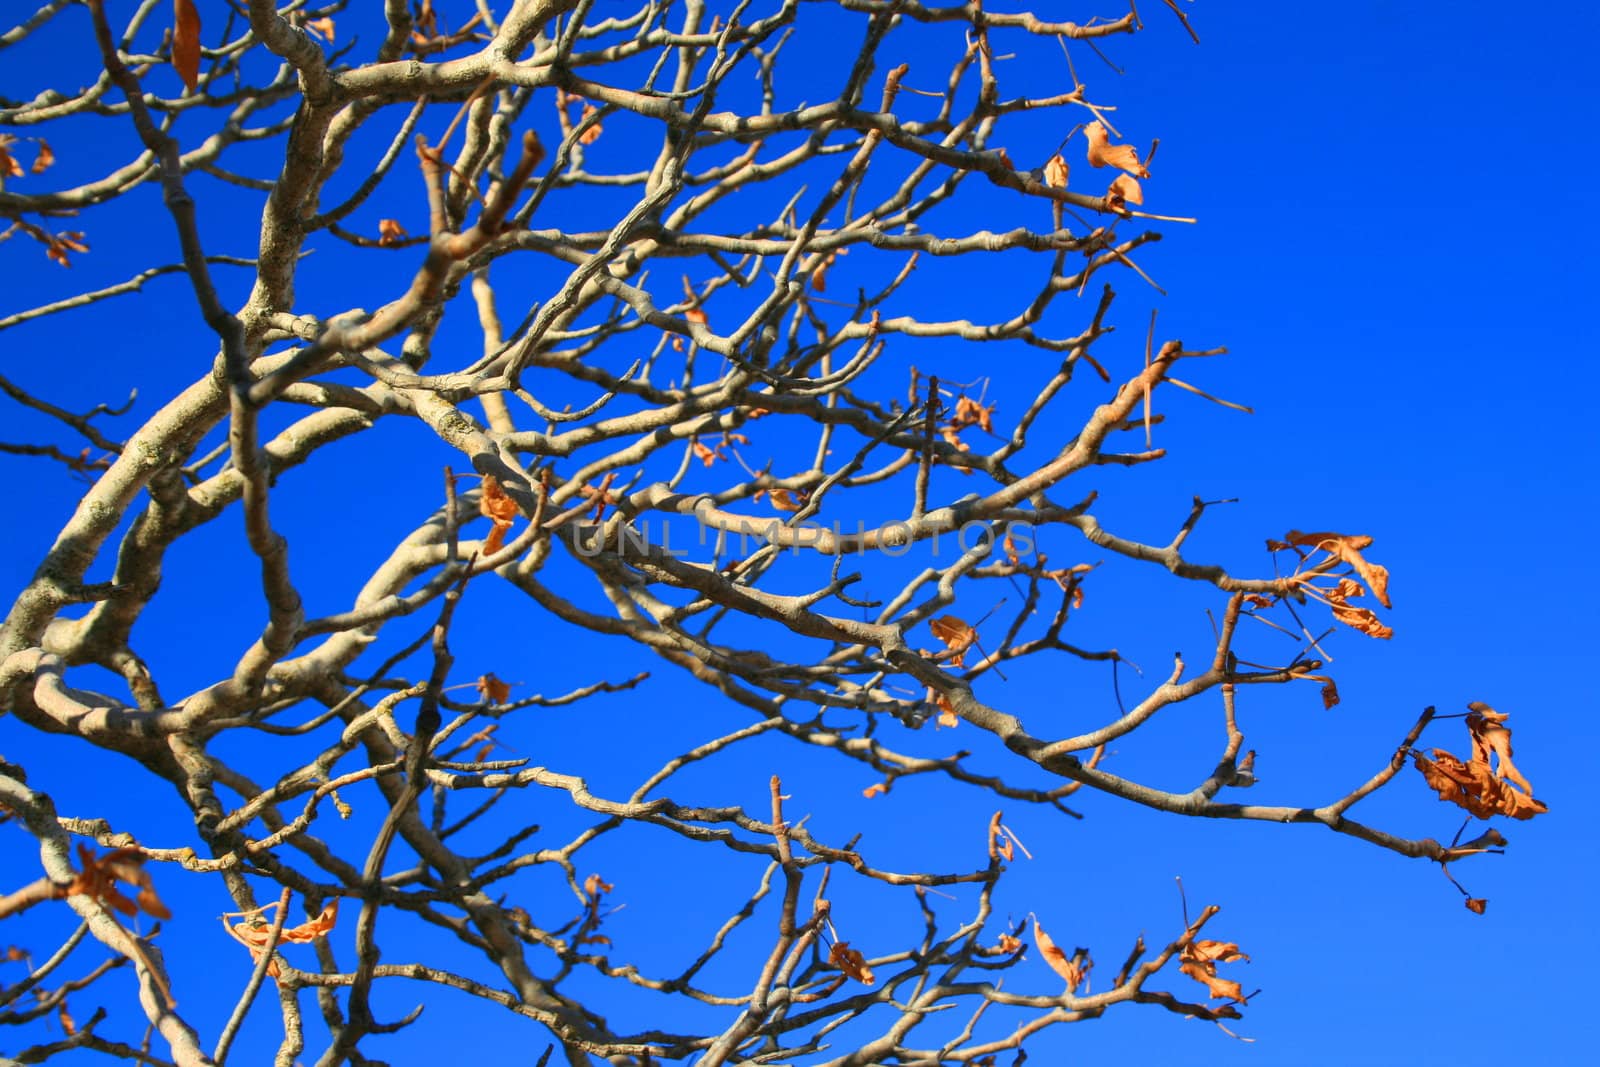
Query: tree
(736, 426)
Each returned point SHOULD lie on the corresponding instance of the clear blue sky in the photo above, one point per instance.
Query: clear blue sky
(1394, 246)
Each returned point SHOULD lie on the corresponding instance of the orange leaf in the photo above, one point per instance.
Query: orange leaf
(1199, 961)
(42, 161)
(1474, 785)
(1103, 153)
(500, 509)
(1009, 943)
(186, 42)
(956, 635)
(592, 134)
(493, 689)
(784, 500)
(851, 962)
(1477, 905)
(697, 315)
(1124, 191)
(819, 273)
(322, 28)
(390, 231)
(594, 886)
(1074, 968)
(1330, 695)
(1347, 547)
(1056, 171)
(9, 167)
(875, 789)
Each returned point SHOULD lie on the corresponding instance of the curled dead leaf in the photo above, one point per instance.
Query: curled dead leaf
(1056, 171)
(1489, 783)
(851, 962)
(1199, 961)
(499, 509)
(875, 789)
(1074, 968)
(1103, 153)
(1477, 905)
(493, 689)
(1124, 190)
(956, 635)
(390, 231)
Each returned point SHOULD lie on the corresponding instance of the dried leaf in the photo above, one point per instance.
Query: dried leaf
(1476, 786)
(15, 953)
(1074, 968)
(186, 42)
(9, 167)
(851, 962)
(1009, 943)
(500, 509)
(1477, 905)
(956, 635)
(69, 1025)
(971, 413)
(390, 231)
(594, 886)
(322, 28)
(1103, 153)
(1056, 171)
(784, 500)
(875, 789)
(1000, 846)
(44, 159)
(697, 315)
(1363, 619)
(100, 876)
(1346, 547)
(819, 274)
(592, 134)
(62, 243)
(1489, 734)
(947, 713)
(311, 929)
(1330, 695)
(1199, 961)
(1124, 191)
(493, 689)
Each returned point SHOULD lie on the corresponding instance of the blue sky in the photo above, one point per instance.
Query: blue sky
(1392, 244)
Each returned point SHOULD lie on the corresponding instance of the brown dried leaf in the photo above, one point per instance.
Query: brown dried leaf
(592, 134)
(1347, 547)
(851, 962)
(1000, 845)
(971, 413)
(1074, 968)
(1474, 785)
(498, 508)
(1103, 153)
(322, 28)
(1124, 191)
(784, 500)
(493, 689)
(311, 929)
(819, 274)
(697, 315)
(44, 159)
(69, 1025)
(1489, 734)
(9, 167)
(1363, 619)
(1330, 695)
(947, 713)
(186, 42)
(875, 789)
(1199, 961)
(1056, 171)
(390, 231)
(14, 953)
(956, 635)
(594, 886)
(1477, 905)
(1009, 943)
